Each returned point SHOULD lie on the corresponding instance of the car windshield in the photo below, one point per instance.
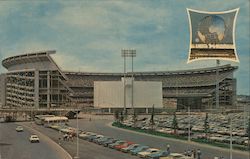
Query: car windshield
(142, 147)
(133, 146)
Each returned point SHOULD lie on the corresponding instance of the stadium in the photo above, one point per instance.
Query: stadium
(34, 80)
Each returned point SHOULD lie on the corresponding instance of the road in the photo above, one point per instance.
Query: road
(15, 145)
(87, 150)
(101, 126)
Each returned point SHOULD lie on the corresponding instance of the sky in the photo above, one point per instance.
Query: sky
(88, 35)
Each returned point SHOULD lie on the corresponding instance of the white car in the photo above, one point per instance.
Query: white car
(34, 138)
(176, 156)
(19, 128)
(149, 151)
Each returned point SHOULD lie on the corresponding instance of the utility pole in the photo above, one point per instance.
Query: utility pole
(189, 119)
(77, 131)
(231, 143)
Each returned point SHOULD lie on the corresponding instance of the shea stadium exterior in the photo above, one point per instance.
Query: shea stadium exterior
(34, 80)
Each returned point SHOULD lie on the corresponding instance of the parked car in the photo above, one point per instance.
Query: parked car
(92, 138)
(144, 154)
(86, 135)
(100, 141)
(246, 142)
(124, 145)
(129, 148)
(176, 156)
(34, 138)
(108, 142)
(19, 128)
(119, 142)
(158, 154)
(139, 149)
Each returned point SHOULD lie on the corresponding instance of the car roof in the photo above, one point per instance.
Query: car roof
(143, 146)
(135, 145)
(176, 155)
(121, 141)
(153, 149)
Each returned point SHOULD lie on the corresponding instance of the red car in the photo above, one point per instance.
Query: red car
(124, 145)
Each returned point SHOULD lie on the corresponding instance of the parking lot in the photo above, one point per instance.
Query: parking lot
(219, 126)
(97, 128)
(99, 125)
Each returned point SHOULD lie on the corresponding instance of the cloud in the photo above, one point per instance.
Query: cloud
(89, 35)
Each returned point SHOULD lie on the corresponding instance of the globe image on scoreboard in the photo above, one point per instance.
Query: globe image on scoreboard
(211, 30)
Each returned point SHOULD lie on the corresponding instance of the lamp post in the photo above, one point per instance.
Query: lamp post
(248, 132)
(231, 143)
(77, 131)
(189, 122)
(217, 93)
(128, 53)
(189, 139)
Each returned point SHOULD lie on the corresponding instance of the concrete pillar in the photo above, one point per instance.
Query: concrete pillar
(109, 110)
(146, 110)
(3, 89)
(36, 89)
(48, 89)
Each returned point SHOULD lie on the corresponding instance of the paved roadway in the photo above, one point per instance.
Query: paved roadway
(16, 145)
(87, 150)
(101, 126)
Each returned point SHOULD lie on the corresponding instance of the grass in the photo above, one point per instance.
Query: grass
(203, 141)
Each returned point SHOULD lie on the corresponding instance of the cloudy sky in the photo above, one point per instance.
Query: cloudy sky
(88, 35)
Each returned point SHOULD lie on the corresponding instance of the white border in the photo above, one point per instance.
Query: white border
(190, 30)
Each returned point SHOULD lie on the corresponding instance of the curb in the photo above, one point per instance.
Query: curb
(61, 151)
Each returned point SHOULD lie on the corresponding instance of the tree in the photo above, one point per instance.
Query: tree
(121, 117)
(116, 115)
(134, 117)
(206, 125)
(125, 114)
(152, 122)
(175, 123)
(248, 128)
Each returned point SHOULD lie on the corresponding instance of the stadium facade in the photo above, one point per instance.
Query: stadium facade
(34, 80)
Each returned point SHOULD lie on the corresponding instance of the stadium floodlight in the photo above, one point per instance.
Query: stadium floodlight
(128, 53)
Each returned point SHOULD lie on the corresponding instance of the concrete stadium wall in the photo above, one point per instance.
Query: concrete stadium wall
(44, 65)
(2, 89)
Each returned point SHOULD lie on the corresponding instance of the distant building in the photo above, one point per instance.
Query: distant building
(35, 80)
